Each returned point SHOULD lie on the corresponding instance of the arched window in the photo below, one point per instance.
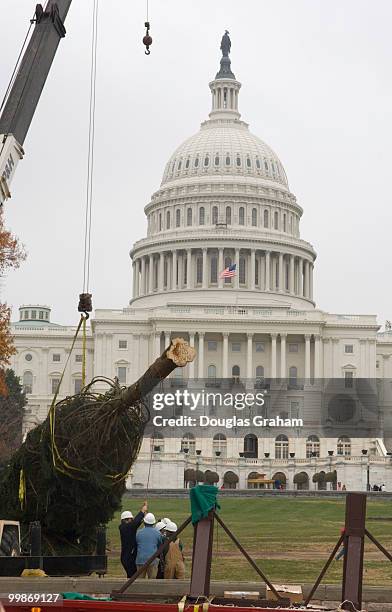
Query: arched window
(344, 446)
(284, 222)
(312, 447)
(228, 215)
(214, 214)
(254, 217)
(214, 270)
(211, 371)
(227, 264)
(188, 444)
(266, 218)
(241, 215)
(228, 160)
(219, 445)
(178, 217)
(293, 376)
(259, 373)
(189, 217)
(276, 220)
(206, 161)
(179, 165)
(235, 373)
(257, 271)
(202, 215)
(258, 165)
(248, 162)
(242, 271)
(281, 447)
(187, 163)
(216, 160)
(160, 222)
(199, 270)
(266, 165)
(196, 162)
(238, 161)
(251, 446)
(165, 271)
(168, 219)
(28, 382)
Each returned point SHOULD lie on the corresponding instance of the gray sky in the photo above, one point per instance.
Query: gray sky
(317, 88)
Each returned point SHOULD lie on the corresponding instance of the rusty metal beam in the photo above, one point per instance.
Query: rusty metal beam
(379, 546)
(202, 557)
(354, 538)
(323, 571)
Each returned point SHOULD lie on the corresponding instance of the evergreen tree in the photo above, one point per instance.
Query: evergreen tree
(12, 404)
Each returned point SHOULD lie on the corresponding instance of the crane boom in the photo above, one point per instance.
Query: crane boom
(27, 87)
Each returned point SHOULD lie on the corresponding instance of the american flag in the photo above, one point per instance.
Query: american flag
(229, 272)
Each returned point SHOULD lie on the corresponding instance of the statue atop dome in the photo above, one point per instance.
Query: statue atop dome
(225, 44)
(225, 63)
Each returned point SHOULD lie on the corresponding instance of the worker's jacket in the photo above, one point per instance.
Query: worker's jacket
(128, 537)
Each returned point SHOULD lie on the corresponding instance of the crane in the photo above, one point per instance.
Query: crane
(25, 89)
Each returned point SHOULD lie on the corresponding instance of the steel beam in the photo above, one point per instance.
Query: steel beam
(354, 537)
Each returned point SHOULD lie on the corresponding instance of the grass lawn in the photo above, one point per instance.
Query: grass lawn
(289, 538)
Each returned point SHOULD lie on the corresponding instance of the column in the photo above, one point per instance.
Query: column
(205, 271)
(143, 277)
(283, 373)
(174, 270)
(191, 367)
(249, 357)
(225, 361)
(161, 271)
(300, 281)
(273, 355)
(251, 285)
(291, 275)
(267, 270)
(237, 274)
(362, 358)
(306, 292)
(281, 275)
(157, 348)
(201, 355)
(307, 358)
(311, 268)
(336, 371)
(134, 279)
(181, 270)
(151, 274)
(189, 269)
(167, 339)
(220, 268)
(317, 357)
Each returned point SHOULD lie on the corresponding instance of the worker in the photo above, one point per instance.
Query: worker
(148, 540)
(128, 528)
(161, 526)
(174, 559)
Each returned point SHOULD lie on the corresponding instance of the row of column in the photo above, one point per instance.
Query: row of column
(275, 338)
(178, 270)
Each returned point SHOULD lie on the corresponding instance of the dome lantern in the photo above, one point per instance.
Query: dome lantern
(225, 87)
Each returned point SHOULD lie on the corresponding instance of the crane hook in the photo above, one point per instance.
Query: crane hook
(147, 40)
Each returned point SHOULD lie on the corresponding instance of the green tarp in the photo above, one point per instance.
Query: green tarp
(203, 499)
(77, 596)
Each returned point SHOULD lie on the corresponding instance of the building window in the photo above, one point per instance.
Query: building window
(251, 446)
(211, 371)
(54, 384)
(189, 216)
(236, 347)
(257, 272)
(199, 270)
(248, 162)
(28, 382)
(284, 223)
(293, 348)
(294, 410)
(349, 380)
(293, 375)
(179, 165)
(228, 160)
(28, 357)
(266, 165)
(258, 165)
(201, 215)
(123, 344)
(242, 271)
(122, 375)
(348, 348)
(215, 214)
(219, 445)
(168, 219)
(238, 161)
(228, 215)
(344, 446)
(26, 314)
(33, 314)
(41, 315)
(188, 444)
(276, 220)
(260, 373)
(216, 160)
(165, 270)
(77, 385)
(160, 222)
(266, 218)
(46, 315)
(157, 442)
(312, 447)
(212, 345)
(178, 217)
(254, 217)
(281, 447)
(241, 216)
(206, 160)
(235, 373)
(196, 162)
(214, 269)
(56, 357)
(260, 347)
(78, 358)
(187, 163)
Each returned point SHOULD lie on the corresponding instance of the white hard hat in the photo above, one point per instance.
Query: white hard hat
(126, 514)
(160, 525)
(149, 518)
(166, 521)
(172, 527)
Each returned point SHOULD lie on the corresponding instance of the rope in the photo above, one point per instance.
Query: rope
(353, 608)
(84, 353)
(90, 157)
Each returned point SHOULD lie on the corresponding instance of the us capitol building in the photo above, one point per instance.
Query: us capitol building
(225, 199)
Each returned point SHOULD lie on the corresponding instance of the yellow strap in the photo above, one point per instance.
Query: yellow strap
(22, 489)
(84, 354)
(196, 608)
(181, 604)
(206, 606)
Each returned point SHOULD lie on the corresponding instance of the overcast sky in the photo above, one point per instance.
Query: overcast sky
(317, 88)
